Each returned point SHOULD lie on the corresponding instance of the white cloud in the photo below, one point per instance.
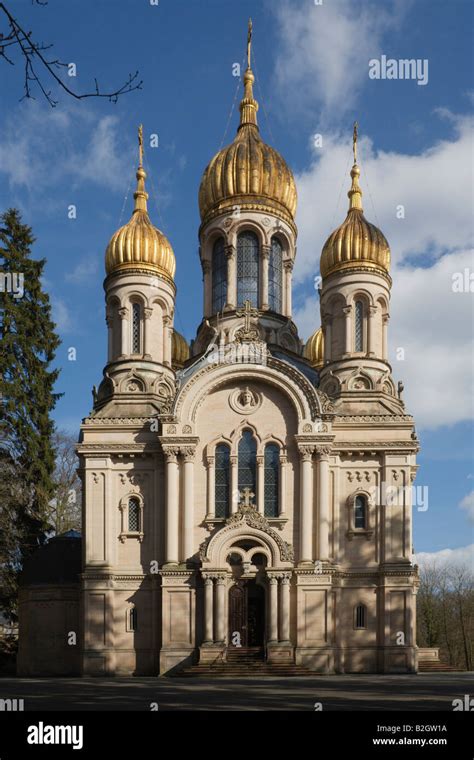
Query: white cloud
(84, 271)
(325, 49)
(468, 504)
(61, 316)
(430, 321)
(464, 555)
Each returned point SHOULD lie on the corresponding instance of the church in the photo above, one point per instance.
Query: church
(234, 489)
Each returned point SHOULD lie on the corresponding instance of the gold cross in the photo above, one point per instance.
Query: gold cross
(354, 141)
(247, 312)
(249, 42)
(246, 495)
(140, 144)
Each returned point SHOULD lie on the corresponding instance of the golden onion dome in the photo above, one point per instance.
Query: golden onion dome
(314, 349)
(357, 242)
(248, 173)
(139, 244)
(179, 349)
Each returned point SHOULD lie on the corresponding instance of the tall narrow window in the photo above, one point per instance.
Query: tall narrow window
(222, 480)
(136, 328)
(359, 326)
(360, 513)
(361, 616)
(271, 482)
(274, 275)
(219, 276)
(247, 269)
(247, 462)
(133, 515)
(132, 619)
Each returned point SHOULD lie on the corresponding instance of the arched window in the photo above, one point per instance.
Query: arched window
(133, 515)
(222, 480)
(136, 328)
(274, 275)
(360, 513)
(359, 326)
(361, 616)
(247, 269)
(219, 276)
(247, 462)
(271, 479)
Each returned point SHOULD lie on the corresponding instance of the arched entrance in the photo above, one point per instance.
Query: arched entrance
(246, 614)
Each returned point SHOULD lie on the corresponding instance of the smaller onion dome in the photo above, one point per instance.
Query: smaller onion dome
(314, 349)
(139, 244)
(179, 350)
(357, 242)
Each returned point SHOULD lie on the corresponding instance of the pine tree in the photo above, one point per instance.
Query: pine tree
(28, 344)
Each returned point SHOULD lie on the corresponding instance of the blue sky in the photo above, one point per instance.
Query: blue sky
(312, 66)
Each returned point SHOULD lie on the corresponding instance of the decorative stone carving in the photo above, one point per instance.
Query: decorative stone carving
(245, 401)
(187, 429)
(307, 428)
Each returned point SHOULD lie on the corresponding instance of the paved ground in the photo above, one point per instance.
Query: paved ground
(428, 691)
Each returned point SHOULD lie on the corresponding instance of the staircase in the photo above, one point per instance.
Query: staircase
(435, 666)
(245, 662)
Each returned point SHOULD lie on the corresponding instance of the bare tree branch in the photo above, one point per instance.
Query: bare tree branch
(32, 52)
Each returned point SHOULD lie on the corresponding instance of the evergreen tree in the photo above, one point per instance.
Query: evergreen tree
(28, 344)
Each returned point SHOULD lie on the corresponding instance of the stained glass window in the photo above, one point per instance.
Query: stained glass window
(133, 515)
(359, 326)
(275, 275)
(219, 276)
(247, 462)
(136, 327)
(271, 479)
(360, 512)
(361, 616)
(222, 480)
(247, 269)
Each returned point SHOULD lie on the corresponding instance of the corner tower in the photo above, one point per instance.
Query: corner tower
(352, 352)
(247, 203)
(140, 299)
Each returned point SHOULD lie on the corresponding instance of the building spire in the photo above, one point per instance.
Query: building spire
(248, 105)
(355, 193)
(140, 195)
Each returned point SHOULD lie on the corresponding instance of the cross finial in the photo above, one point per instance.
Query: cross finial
(247, 313)
(249, 42)
(247, 495)
(140, 145)
(354, 141)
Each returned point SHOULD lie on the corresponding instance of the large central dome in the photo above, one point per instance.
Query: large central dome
(248, 173)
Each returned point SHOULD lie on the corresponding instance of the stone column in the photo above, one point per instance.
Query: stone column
(306, 503)
(264, 291)
(273, 612)
(211, 491)
(370, 330)
(261, 484)
(282, 484)
(385, 320)
(167, 340)
(288, 268)
(220, 608)
(347, 310)
(188, 515)
(172, 514)
(124, 341)
(323, 501)
(327, 332)
(208, 610)
(234, 484)
(207, 285)
(285, 608)
(231, 277)
(147, 312)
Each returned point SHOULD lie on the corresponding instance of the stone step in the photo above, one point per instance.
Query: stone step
(230, 670)
(435, 666)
